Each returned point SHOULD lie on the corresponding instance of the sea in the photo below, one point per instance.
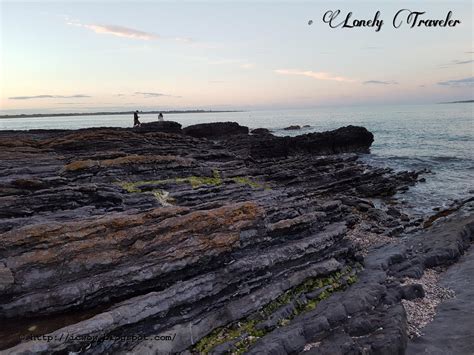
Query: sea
(438, 138)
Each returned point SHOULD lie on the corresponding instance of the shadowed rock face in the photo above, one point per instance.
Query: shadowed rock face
(348, 139)
(160, 126)
(215, 130)
(262, 144)
(137, 231)
(260, 131)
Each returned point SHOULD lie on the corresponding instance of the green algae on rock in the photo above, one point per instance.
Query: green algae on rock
(240, 335)
(194, 181)
(164, 197)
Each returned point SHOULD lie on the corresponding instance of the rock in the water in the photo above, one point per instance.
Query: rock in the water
(342, 140)
(260, 131)
(292, 128)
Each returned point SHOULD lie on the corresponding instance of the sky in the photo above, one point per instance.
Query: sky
(110, 55)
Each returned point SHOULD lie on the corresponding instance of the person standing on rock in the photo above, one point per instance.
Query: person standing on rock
(160, 117)
(136, 122)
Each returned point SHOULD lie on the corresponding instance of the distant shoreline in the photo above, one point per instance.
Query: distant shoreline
(106, 113)
(458, 102)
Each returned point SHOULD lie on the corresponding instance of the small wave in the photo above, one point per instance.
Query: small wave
(403, 158)
(446, 159)
(427, 159)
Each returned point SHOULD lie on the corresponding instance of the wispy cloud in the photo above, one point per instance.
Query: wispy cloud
(380, 82)
(126, 32)
(48, 97)
(150, 94)
(458, 82)
(153, 94)
(463, 61)
(456, 62)
(314, 75)
(120, 31)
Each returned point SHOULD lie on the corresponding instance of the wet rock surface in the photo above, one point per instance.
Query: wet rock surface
(212, 238)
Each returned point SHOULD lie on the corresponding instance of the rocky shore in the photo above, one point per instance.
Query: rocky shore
(208, 239)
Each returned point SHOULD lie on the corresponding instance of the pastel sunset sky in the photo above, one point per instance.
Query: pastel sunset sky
(89, 55)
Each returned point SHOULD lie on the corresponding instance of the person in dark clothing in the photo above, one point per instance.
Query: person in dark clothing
(160, 117)
(136, 122)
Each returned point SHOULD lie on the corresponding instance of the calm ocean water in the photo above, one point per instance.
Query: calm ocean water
(437, 137)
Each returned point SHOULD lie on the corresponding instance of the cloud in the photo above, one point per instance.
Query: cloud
(379, 82)
(150, 94)
(456, 62)
(463, 61)
(126, 32)
(120, 31)
(153, 94)
(459, 82)
(314, 75)
(48, 97)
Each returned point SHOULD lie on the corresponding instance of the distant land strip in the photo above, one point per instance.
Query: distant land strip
(458, 102)
(106, 113)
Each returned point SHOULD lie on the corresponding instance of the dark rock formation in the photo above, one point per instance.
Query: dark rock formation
(215, 130)
(160, 126)
(215, 243)
(292, 128)
(452, 331)
(348, 139)
(260, 131)
(368, 317)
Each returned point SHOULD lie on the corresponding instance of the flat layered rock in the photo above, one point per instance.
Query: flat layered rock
(225, 239)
